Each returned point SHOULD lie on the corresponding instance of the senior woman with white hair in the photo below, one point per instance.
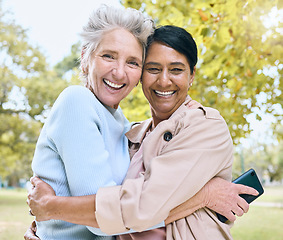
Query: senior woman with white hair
(82, 145)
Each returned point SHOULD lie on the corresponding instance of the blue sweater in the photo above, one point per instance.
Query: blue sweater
(81, 148)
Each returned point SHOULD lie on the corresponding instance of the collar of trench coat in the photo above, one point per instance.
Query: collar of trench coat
(139, 129)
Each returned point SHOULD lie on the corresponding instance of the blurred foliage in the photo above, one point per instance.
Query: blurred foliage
(240, 58)
(27, 91)
(135, 106)
(70, 62)
(267, 159)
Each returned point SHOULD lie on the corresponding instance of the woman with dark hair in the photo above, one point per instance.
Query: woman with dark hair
(175, 154)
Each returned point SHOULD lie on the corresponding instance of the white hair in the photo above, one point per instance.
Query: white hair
(107, 18)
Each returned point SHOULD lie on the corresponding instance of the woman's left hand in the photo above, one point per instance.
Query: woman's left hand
(39, 197)
(31, 232)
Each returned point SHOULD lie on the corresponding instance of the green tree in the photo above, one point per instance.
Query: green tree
(240, 58)
(28, 89)
(70, 62)
(266, 159)
(135, 106)
(275, 167)
(256, 156)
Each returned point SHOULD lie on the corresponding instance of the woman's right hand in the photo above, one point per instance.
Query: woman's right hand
(39, 197)
(218, 195)
(223, 197)
(31, 232)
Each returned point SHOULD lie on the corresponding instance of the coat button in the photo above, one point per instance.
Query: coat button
(167, 136)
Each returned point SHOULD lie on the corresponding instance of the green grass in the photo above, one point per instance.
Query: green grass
(14, 217)
(272, 194)
(261, 223)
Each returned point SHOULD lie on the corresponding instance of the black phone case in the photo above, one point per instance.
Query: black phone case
(249, 178)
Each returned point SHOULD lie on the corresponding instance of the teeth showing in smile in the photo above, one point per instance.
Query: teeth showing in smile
(167, 93)
(113, 85)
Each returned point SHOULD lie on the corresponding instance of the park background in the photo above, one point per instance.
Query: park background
(239, 73)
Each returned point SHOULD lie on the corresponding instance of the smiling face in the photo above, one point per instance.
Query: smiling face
(114, 69)
(166, 80)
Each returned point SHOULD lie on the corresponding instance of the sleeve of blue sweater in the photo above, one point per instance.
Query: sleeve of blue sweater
(75, 131)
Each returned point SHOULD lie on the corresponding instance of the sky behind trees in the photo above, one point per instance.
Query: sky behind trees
(53, 25)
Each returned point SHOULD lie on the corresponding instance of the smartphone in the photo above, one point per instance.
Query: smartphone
(249, 178)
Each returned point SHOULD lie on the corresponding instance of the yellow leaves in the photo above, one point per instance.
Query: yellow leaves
(234, 47)
(202, 15)
(249, 73)
(135, 105)
(277, 50)
(130, 3)
(201, 4)
(234, 84)
(7, 137)
(15, 47)
(18, 136)
(223, 35)
(173, 17)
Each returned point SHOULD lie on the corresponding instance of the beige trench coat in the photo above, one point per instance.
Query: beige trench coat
(198, 148)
